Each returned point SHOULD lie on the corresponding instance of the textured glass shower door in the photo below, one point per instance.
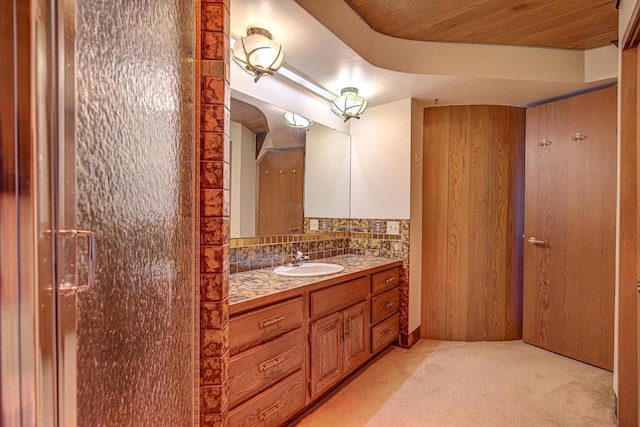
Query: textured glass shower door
(124, 171)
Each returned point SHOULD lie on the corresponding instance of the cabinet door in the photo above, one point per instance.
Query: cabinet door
(356, 335)
(326, 352)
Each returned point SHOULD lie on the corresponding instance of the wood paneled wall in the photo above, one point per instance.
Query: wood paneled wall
(473, 197)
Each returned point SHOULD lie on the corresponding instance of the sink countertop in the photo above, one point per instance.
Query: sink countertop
(259, 283)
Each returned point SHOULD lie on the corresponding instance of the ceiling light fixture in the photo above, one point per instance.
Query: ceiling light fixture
(349, 105)
(257, 53)
(297, 121)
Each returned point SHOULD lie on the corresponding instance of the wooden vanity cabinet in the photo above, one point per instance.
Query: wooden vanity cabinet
(266, 369)
(339, 344)
(286, 354)
(385, 307)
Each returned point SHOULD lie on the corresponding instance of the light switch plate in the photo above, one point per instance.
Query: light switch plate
(313, 224)
(393, 227)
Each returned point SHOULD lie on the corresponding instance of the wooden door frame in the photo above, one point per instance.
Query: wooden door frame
(627, 367)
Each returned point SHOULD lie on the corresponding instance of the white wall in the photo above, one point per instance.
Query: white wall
(326, 173)
(243, 181)
(415, 238)
(381, 162)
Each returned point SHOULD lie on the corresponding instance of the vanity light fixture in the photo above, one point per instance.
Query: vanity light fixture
(257, 53)
(349, 105)
(297, 121)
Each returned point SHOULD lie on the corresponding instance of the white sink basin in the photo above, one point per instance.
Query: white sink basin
(309, 269)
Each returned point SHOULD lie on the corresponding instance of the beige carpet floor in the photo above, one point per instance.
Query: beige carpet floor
(440, 383)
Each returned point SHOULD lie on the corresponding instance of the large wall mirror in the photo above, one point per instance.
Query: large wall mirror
(280, 175)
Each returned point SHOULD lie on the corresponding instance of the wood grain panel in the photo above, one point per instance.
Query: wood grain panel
(506, 180)
(335, 298)
(477, 220)
(385, 333)
(628, 245)
(570, 205)
(576, 199)
(248, 115)
(474, 159)
(385, 304)
(326, 353)
(553, 172)
(254, 370)
(385, 280)
(280, 192)
(598, 255)
(356, 336)
(535, 132)
(435, 217)
(579, 24)
(259, 326)
(516, 264)
(272, 407)
(457, 231)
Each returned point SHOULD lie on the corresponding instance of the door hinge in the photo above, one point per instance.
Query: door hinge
(638, 286)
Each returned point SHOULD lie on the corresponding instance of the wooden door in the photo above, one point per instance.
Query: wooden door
(356, 335)
(570, 214)
(326, 353)
(280, 193)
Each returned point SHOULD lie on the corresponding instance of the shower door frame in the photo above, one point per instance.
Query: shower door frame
(37, 198)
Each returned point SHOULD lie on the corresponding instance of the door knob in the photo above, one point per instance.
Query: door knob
(535, 241)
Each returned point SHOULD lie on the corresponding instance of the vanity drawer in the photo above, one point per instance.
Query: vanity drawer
(335, 298)
(259, 326)
(257, 369)
(384, 305)
(384, 333)
(272, 407)
(385, 280)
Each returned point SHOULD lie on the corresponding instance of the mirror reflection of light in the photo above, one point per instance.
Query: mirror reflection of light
(297, 121)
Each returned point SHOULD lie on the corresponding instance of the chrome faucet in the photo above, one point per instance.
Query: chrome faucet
(298, 258)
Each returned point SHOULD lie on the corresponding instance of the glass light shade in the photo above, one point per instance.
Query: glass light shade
(297, 121)
(349, 105)
(257, 53)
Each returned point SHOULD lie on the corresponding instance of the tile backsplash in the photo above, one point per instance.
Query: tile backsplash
(272, 251)
(335, 236)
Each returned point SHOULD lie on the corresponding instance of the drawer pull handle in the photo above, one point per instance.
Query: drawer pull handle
(268, 364)
(272, 410)
(389, 280)
(387, 332)
(264, 323)
(388, 304)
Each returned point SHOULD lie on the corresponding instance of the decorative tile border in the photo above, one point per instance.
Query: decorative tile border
(212, 184)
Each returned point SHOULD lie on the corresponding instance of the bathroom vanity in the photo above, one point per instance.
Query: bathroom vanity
(292, 339)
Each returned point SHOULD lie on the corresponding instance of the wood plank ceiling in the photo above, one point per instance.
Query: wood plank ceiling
(575, 24)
